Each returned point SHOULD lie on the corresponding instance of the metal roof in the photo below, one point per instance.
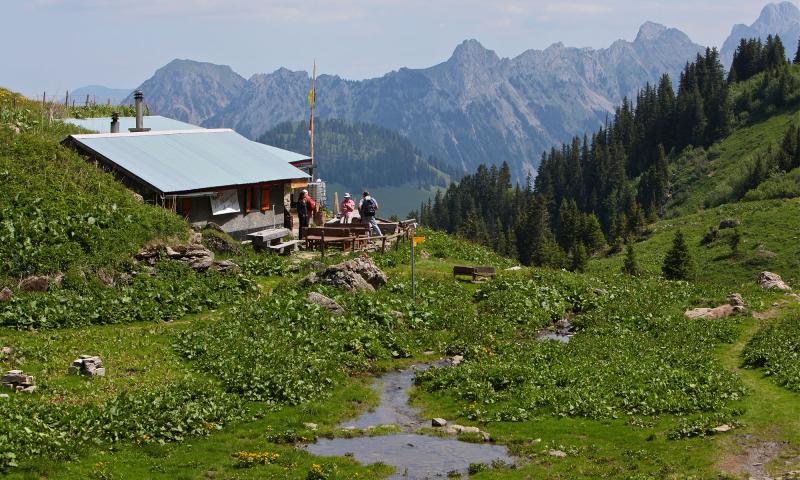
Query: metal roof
(175, 161)
(153, 122)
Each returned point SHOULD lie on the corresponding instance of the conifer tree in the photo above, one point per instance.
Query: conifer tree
(797, 54)
(630, 266)
(579, 258)
(678, 263)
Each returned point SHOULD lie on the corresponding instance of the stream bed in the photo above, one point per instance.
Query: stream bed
(413, 455)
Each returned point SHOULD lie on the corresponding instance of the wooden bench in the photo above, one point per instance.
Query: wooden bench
(323, 236)
(474, 272)
(285, 248)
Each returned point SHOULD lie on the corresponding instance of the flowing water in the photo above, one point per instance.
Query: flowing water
(414, 456)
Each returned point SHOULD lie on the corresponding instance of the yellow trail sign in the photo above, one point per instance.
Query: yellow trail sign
(418, 240)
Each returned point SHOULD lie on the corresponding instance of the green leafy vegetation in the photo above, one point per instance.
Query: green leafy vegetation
(775, 348)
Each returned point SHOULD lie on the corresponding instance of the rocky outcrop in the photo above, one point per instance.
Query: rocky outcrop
(88, 366)
(325, 302)
(711, 313)
(219, 244)
(728, 223)
(772, 281)
(18, 381)
(6, 294)
(40, 283)
(194, 255)
(736, 300)
(360, 273)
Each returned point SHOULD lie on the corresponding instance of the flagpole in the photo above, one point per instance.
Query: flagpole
(312, 101)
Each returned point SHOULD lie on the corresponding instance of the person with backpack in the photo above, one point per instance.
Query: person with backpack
(347, 207)
(367, 208)
(305, 208)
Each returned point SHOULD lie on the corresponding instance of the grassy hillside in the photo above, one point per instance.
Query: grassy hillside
(705, 178)
(770, 240)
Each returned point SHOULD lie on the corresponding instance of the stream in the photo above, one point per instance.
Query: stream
(414, 456)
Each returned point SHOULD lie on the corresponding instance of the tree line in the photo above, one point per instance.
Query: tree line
(604, 187)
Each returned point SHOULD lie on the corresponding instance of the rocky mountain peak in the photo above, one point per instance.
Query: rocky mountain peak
(650, 31)
(472, 52)
(782, 19)
(777, 15)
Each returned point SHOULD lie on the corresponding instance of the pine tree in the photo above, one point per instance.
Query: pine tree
(630, 266)
(579, 258)
(592, 235)
(678, 263)
(797, 54)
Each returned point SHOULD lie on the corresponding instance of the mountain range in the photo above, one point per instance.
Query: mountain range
(473, 108)
(781, 19)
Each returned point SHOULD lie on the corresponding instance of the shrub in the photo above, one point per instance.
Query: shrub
(678, 264)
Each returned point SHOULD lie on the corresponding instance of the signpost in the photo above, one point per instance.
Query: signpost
(414, 241)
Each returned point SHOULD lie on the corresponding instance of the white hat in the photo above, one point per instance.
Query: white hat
(304, 191)
(346, 195)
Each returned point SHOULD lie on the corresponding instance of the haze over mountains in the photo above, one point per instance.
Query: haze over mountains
(473, 108)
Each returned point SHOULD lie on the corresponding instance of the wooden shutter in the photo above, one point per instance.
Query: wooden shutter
(186, 206)
(248, 204)
(264, 199)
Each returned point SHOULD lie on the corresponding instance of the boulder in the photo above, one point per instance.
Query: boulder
(438, 422)
(225, 266)
(486, 437)
(310, 426)
(6, 351)
(728, 223)
(456, 428)
(219, 244)
(6, 294)
(515, 268)
(457, 359)
(40, 283)
(736, 300)
(557, 453)
(710, 313)
(325, 302)
(148, 254)
(772, 281)
(195, 237)
(722, 428)
(137, 197)
(600, 292)
(88, 366)
(194, 255)
(17, 380)
(106, 278)
(360, 273)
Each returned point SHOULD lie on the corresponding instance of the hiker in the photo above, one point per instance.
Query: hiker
(367, 208)
(348, 206)
(305, 208)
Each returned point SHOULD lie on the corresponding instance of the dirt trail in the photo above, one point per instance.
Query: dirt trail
(747, 455)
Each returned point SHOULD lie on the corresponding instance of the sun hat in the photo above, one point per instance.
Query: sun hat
(346, 195)
(305, 191)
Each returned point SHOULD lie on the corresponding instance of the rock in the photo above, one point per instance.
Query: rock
(28, 389)
(219, 244)
(439, 422)
(225, 266)
(600, 292)
(360, 273)
(40, 283)
(723, 428)
(17, 380)
(456, 428)
(195, 237)
(486, 436)
(148, 254)
(728, 223)
(137, 197)
(457, 359)
(515, 268)
(88, 366)
(710, 313)
(214, 226)
(194, 255)
(106, 278)
(6, 351)
(397, 315)
(4, 395)
(6, 294)
(738, 309)
(736, 300)
(325, 302)
(772, 281)
(310, 426)
(557, 453)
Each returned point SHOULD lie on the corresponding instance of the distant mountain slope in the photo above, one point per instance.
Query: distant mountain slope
(776, 19)
(190, 91)
(100, 94)
(362, 155)
(473, 108)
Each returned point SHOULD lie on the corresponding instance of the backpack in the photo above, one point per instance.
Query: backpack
(370, 207)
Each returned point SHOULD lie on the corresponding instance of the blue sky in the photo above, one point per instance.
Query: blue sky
(55, 45)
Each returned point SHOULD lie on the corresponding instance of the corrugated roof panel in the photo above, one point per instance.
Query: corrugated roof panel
(180, 161)
(153, 122)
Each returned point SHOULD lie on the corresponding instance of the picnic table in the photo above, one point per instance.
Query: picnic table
(271, 238)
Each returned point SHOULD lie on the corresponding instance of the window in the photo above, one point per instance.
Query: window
(265, 206)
